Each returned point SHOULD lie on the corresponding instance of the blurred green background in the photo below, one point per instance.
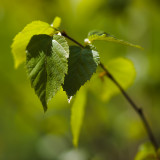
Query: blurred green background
(111, 129)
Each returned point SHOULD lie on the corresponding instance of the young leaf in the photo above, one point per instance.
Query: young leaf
(82, 64)
(22, 39)
(101, 35)
(124, 72)
(77, 114)
(146, 152)
(47, 65)
(57, 22)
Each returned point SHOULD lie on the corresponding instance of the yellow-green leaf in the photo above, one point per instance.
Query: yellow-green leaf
(124, 72)
(22, 39)
(101, 35)
(77, 114)
(146, 152)
(57, 22)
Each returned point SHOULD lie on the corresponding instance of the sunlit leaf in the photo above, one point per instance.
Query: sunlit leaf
(47, 65)
(77, 114)
(124, 72)
(82, 64)
(103, 36)
(56, 22)
(22, 39)
(146, 152)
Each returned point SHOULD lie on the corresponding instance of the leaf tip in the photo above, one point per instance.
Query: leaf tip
(75, 143)
(45, 108)
(16, 64)
(56, 23)
(69, 99)
(44, 104)
(137, 46)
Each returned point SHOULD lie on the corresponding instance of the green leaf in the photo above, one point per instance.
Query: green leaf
(123, 71)
(82, 64)
(101, 35)
(77, 114)
(146, 152)
(47, 65)
(22, 39)
(57, 22)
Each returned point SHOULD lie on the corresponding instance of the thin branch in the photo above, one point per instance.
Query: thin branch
(73, 40)
(138, 110)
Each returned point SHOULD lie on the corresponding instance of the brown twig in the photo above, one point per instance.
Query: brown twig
(138, 110)
(65, 35)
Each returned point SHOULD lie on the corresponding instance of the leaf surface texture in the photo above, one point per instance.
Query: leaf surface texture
(47, 65)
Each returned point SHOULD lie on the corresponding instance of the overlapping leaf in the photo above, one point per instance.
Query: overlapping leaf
(47, 65)
(101, 35)
(77, 114)
(82, 64)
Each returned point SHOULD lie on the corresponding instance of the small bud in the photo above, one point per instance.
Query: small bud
(87, 41)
